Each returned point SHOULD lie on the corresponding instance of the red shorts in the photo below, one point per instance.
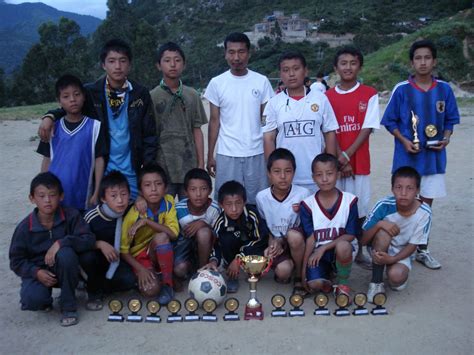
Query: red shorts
(144, 259)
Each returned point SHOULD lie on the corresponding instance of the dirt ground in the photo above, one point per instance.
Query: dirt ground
(433, 315)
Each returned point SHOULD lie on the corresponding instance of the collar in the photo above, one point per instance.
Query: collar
(352, 89)
(34, 224)
(411, 80)
(126, 87)
(243, 217)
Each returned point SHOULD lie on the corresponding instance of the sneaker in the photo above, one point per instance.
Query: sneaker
(232, 286)
(374, 288)
(424, 257)
(166, 294)
(401, 287)
(344, 289)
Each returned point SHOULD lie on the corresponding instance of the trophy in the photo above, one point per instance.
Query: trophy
(255, 266)
(342, 301)
(360, 300)
(209, 305)
(296, 301)
(231, 306)
(134, 305)
(115, 307)
(153, 307)
(321, 300)
(191, 306)
(431, 131)
(278, 301)
(414, 125)
(174, 306)
(379, 300)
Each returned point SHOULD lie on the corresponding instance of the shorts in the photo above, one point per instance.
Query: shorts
(285, 255)
(359, 186)
(184, 250)
(433, 186)
(407, 261)
(144, 259)
(327, 266)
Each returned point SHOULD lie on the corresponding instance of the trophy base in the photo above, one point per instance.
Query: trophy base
(379, 311)
(342, 312)
(279, 313)
(231, 317)
(115, 318)
(174, 318)
(153, 319)
(361, 312)
(322, 312)
(253, 313)
(134, 318)
(191, 318)
(432, 143)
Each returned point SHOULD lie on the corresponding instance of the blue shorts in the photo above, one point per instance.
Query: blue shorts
(184, 250)
(327, 264)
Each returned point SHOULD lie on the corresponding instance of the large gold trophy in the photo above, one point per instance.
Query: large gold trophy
(255, 266)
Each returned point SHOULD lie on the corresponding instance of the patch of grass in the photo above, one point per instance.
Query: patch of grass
(465, 101)
(25, 112)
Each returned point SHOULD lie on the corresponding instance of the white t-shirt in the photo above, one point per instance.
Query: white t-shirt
(300, 124)
(239, 99)
(318, 86)
(281, 215)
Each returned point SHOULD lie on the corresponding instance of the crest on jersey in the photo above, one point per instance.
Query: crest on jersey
(362, 106)
(263, 120)
(314, 108)
(255, 93)
(440, 106)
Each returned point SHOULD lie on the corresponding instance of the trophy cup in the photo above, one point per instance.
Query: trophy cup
(191, 306)
(209, 305)
(321, 300)
(379, 301)
(414, 125)
(278, 301)
(115, 307)
(153, 307)
(174, 306)
(255, 266)
(360, 300)
(296, 301)
(342, 301)
(431, 131)
(134, 305)
(231, 306)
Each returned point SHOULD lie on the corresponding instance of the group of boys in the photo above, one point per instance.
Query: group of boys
(309, 221)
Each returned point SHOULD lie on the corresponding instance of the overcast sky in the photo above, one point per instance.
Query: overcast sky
(97, 8)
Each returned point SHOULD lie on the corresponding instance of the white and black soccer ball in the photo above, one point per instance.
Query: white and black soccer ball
(207, 284)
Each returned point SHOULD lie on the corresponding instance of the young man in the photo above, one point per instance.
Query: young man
(357, 111)
(125, 110)
(44, 250)
(299, 120)
(279, 206)
(237, 99)
(427, 105)
(179, 115)
(394, 228)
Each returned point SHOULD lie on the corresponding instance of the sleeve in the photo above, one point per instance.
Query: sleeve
(44, 149)
(212, 214)
(100, 144)
(306, 220)
(171, 219)
(55, 114)
(270, 117)
(216, 253)
(377, 214)
(267, 93)
(260, 237)
(372, 115)
(200, 117)
(79, 236)
(18, 254)
(452, 112)
(391, 115)
(329, 118)
(259, 201)
(149, 133)
(128, 221)
(352, 221)
(422, 229)
(211, 93)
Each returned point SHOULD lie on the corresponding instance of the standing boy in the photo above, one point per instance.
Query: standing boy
(179, 115)
(237, 99)
(427, 105)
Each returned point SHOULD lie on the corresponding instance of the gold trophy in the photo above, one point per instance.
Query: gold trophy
(379, 300)
(134, 305)
(255, 266)
(414, 125)
(360, 301)
(153, 307)
(231, 305)
(431, 132)
(115, 306)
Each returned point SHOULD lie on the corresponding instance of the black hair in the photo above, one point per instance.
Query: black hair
(231, 188)
(67, 80)
(116, 45)
(424, 43)
(112, 179)
(324, 158)
(349, 50)
(281, 153)
(169, 46)
(407, 172)
(198, 174)
(47, 179)
(237, 37)
(292, 55)
(320, 75)
(151, 169)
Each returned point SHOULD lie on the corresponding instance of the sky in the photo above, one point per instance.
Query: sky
(97, 8)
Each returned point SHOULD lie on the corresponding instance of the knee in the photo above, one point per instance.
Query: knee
(66, 257)
(159, 239)
(295, 239)
(343, 250)
(283, 270)
(316, 285)
(88, 259)
(35, 297)
(381, 240)
(397, 274)
(182, 269)
(204, 236)
(153, 291)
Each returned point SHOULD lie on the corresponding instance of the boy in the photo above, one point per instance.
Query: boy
(300, 120)
(179, 115)
(105, 272)
(357, 111)
(279, 206)
(432, 103)
(75, 151)
(44, 249)
(146, 239)
(239, 231)
(394, 228)
(329, 221)
(196, 215)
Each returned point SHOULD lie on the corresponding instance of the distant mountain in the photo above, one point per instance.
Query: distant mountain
(19, 28)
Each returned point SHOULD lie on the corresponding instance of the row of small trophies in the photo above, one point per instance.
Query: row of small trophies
(232, 304)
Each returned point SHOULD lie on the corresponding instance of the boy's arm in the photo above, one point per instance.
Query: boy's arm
(149, 133)
(20, 263)
(79, 237)
(270, 125)
(309, 247)
(329, 126)
(260, 234)
(199, 143)
(45, 129)
(213, 132)
(384, 259)
(306, 220)
(99, 167)
(330, 142)
(45, 163)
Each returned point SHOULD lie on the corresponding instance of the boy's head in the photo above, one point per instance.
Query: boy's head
(293, 70)
(423, 55)
(325, 169)
(348, 62)
(46, 192)
(170, 60)
(152, 182)
(198, 186)
(115, 191)
(232, 197)
(237, 52)
(70, 93)
(116, 59)
(405, 185)
(281, 166)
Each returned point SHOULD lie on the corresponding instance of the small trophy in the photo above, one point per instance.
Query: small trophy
(342, 301)
(153, 307)
(414, 125)
(379, 300)
(191, 306)
(278, 301)
(174, 306)
(431, 131)
(321, 300)
(134, 305)
(115, 307)
(296, 301)
(231, 306)
(360, 301)
(209, 305)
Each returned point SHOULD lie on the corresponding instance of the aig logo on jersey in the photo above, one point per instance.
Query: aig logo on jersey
(299, 129)
(440, 106)
(362, 106)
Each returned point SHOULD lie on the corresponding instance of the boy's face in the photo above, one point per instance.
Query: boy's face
(405, 191)
(116, 197)
(47, 200)
(237, 56)
(325, 175)
(281, 174)
(423, 62)
(233, 206)
(71, 99)
(152, 188)
(348, 67)
(293, 73)
(171, 65)
(198, 192)
(117, 66)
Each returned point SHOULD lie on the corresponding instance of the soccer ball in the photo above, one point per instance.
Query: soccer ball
(207, 284)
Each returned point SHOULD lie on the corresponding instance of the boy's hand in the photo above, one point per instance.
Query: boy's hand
(94, 200)
(45, 130)
(211, 166)
(410, 146)
(46, 277)
(146, 279)
(274, 249)
(382, 258)
(109, 251)
(389, 227)
(192, 228)
(315, 256)
(233, 269)
(440, 146)
(342, 160)
(135, 227)
(347, 171)
(141, 205)
(209, 266)
(51, 254)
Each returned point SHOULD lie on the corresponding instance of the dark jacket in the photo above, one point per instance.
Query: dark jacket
(31, 240)
(141, 120)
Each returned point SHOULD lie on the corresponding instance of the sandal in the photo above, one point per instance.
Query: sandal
(68, 319)
(299, 289)
(94, 304)
(280, 281)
